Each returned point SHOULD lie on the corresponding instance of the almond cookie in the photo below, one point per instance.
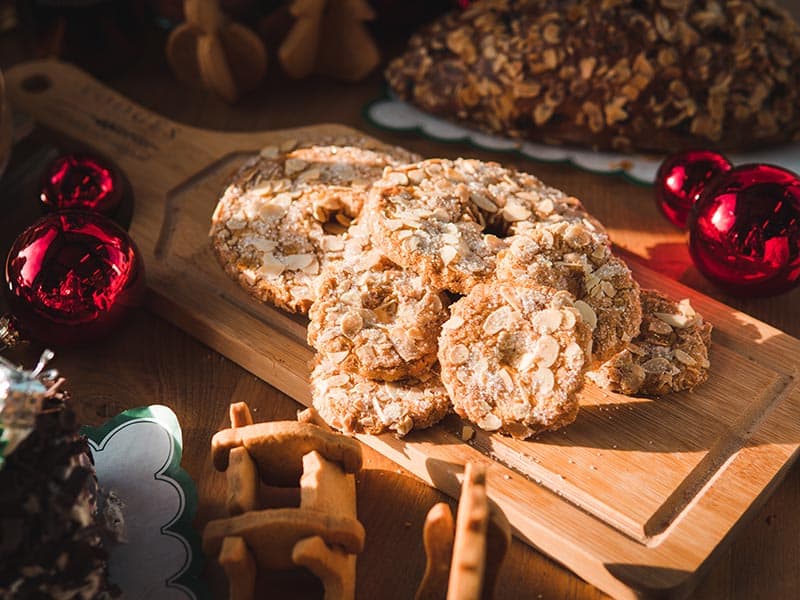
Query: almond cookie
(376, 319)
(658, 76)
(669, 354)
(446, 219)
(281, 217)
(568, 256)
(355, 404)
(513, 357)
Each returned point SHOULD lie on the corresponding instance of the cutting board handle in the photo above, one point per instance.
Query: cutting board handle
(68, 101)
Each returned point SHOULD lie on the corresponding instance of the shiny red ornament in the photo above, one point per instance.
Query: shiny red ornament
(81, 181)
(681, 179)
(72, 277)
(745, 231)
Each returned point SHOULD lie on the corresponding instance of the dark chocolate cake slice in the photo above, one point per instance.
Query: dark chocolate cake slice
(52, 535)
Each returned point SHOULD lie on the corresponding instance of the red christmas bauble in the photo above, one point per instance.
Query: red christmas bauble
(681, 179)
(81, 181)
(72, 277)
(745, 231)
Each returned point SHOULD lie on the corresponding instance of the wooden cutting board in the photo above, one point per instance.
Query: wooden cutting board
(635, 496)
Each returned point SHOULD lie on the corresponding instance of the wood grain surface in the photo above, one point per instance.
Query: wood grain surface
(150, 361)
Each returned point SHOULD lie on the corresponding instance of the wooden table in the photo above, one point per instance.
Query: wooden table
(150, 361)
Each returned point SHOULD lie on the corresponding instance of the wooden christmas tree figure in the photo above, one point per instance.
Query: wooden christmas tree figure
(329, 37)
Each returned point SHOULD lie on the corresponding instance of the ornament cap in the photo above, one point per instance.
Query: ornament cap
(9, 334)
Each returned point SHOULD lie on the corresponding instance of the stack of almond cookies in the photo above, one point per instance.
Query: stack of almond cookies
(433, 284)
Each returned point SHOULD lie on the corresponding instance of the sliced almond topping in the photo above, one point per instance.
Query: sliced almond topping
(416, 176)
(448, 254)
(684, 357)
(587, 312)
(544, 381)
(281, 185)
(544, 238)
(393, 224)
(403, 344)
(312, 268)
(515, 212)
(272, 211)
(295, 262)
(283, 199)
(573, 353)
(411, 244)
(511, 298)
(546, 350)
(497, 321)
(250, 276)
(489, 422)
(528, 195)
(494, 243)
(659, 326)
(404, 425)
(309, 175)
(332, 243)
(636, 349)
(526, 361)
(234, 224)
(294, 165)
(577, 235)
(569, 318)
(262, 244)
(320, 213)
(657, 365)
(454, 322)
(458, 355)
(506, 378)
(451, 238)
(546, 206)
(351, 323)
(351, 297)
(411, 223)
(677, 321)
(483, 203)
(608, 289)
(338, 357)
(340, 380)
(395, 178)
(548, 320)
(270, 266)
(685, 307)
(600, 252)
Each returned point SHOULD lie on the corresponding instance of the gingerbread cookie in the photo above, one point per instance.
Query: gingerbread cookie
(376, 319)
(446, 219)
(281, 218)
(355, 404)
(669, 354)
(567, 255)
(513, 356)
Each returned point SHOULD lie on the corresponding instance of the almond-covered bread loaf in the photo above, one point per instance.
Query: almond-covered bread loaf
(649, 75)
